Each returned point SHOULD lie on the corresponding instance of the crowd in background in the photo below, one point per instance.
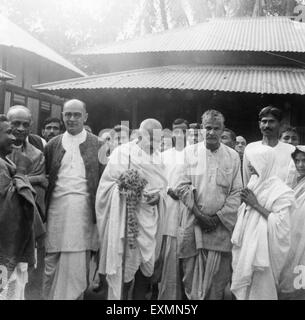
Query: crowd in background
(216, 218)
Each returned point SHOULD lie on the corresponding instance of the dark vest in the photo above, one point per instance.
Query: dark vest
(54, 153)
(36, 141)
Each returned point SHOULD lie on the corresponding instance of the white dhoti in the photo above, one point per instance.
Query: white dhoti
(66, 275)
(13, 289)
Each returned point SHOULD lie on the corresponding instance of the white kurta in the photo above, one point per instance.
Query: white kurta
(70, 227)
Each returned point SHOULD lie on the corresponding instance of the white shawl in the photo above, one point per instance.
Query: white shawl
(259, 243)
(296, 255)
(111, 212)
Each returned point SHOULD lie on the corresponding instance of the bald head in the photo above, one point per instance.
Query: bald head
(75, 103)
(150, 125)
(150, 132)
(74, 116)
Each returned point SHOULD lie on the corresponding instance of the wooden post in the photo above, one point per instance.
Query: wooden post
(199, 113)
(134, 113)
(2, 96)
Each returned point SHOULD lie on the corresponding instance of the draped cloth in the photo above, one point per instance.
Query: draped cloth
(170, 286)
(284, 164)
(261, 246)
(111, 213)
(37, 177)
(296, 256)
(17, 209)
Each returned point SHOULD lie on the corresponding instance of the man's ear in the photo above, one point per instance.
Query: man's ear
(86, 118)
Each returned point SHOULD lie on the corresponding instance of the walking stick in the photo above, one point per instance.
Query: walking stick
(125, 244)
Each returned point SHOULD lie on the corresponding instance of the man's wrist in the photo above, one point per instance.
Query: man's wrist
(20, 171)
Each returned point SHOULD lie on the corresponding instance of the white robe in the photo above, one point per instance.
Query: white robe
(261, 246)
(111, 213)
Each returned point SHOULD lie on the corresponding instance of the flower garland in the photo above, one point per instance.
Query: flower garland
(132, 185)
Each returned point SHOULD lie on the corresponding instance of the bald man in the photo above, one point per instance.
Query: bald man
(142, 155)
(74, 171)
(20, 119)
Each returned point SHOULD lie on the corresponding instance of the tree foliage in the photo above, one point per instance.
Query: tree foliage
(72, 24)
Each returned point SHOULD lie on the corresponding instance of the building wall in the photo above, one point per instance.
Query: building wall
(30, 70)
(240, 109)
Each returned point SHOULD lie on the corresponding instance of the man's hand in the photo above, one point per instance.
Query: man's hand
(23, 163)
(152, 199)
(206, 222)
(172, 194)
(248, 197)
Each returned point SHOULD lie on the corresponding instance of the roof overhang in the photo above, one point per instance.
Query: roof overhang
(249, 79)
(12, 36)
(6, 76)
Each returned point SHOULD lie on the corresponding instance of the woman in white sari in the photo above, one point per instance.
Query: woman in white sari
(292, 280)
(261, 238)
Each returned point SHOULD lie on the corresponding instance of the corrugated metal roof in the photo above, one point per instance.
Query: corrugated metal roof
(13, 36)
(226, 34)
(271, 80)
(5, 75)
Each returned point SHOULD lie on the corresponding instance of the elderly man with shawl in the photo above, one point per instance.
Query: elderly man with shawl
(292, 276)
(261, 238)
(17, 208)
(209, 186)
(20, 119)
(116, 260)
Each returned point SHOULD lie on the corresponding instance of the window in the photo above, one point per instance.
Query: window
(19, 99)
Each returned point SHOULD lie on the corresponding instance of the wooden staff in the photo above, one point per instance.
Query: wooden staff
(125, 244)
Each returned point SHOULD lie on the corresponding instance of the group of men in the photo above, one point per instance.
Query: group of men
(60, 204)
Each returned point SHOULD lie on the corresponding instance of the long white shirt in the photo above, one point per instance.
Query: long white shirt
(70, 227)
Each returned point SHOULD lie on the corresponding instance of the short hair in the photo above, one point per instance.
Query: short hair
(214, 114)
(195, 126)
(3, 118)
(53, 119)
(12, 108)
(288, 129)
(232, 133)
(275, 112)
(120, 128)
(180, 121)
(295, 153)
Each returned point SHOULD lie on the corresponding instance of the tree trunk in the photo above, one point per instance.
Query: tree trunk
(290, 5)
(257, 10)
(220, 9)
(163, 13)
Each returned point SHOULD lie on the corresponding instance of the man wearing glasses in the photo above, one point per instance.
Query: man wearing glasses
(74, 171)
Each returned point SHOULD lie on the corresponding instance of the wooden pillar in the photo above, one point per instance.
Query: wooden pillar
(134, 113)
(2, 96)
(199, 112)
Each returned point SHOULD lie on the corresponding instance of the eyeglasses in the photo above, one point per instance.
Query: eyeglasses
(75, 115)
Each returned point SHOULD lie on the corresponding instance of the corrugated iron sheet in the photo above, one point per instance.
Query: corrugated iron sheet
(13, 36)
(227, 34)
(5, 75)
(271, 80)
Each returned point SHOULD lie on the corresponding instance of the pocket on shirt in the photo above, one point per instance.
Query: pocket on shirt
(224, 178)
